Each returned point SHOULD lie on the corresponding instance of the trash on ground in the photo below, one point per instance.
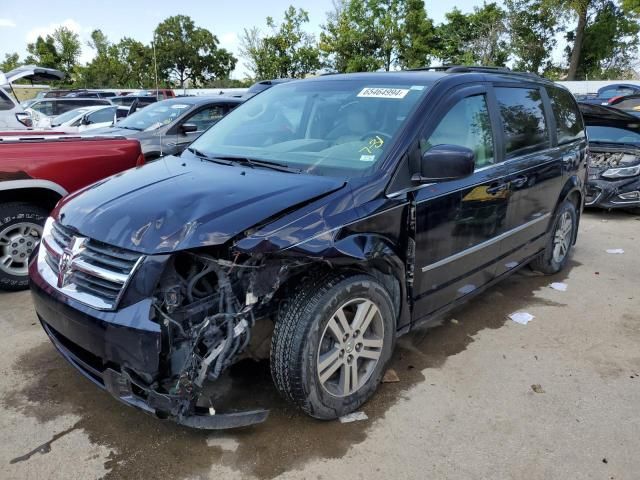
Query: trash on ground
(615, 251)
(454, 321)
(521, 317)
(353, 417)
(390, 376)
(562, 287)
(537, 388)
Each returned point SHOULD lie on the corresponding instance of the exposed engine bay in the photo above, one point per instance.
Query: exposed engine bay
(613, 159)
(207, 308)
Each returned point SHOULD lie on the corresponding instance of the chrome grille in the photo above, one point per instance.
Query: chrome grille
(93, 272)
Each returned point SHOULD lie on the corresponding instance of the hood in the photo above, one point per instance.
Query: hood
(32, 73)
(180, 203)
(602, 115)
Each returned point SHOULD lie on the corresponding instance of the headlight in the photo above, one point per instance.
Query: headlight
(622, 172)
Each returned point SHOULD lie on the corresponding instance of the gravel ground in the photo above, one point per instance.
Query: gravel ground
(479, 396)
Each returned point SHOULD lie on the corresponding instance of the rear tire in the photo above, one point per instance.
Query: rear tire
(324, 375)
(20, 231)
(556, 254)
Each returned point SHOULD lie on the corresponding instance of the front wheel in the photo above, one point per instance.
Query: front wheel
(331, 344)
(556, 254)
(20, 231)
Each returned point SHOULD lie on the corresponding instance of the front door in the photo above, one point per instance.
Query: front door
(459, 223)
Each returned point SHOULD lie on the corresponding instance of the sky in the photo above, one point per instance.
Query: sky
(21, 22)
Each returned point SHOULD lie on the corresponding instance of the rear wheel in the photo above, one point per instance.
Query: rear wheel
(556, 254)
(331, 344)
(20, 231)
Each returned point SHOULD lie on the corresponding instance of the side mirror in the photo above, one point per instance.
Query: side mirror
(188, 128)
(86, 121)
(445, 162)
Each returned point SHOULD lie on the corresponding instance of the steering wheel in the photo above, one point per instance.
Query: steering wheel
(374, 133)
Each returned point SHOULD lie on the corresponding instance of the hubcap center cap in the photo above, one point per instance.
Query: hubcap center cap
(349, 346)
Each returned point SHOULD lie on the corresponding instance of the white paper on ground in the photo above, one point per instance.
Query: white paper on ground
(353, 417)
(521, 317)
(559, 286)
(615, 251)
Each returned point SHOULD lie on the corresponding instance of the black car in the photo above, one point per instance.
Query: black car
(263, 85)
(614, 158)
(322, 218)
(627, 103)
(140, 101)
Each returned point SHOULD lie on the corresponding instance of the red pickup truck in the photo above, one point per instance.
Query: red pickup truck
(36, 172)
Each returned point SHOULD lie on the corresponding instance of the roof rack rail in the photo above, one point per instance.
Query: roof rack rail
(477, 69)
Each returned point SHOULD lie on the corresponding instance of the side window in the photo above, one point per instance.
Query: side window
(206, 117)
(525, 127)
(569, 124)
(467, 124)
(102, 116)
(121, 113)
(5, 101)
(45, 108)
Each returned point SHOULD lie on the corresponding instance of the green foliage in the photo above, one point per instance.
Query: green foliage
(533, 28)
(479, 37)
(60, 50)
(610, 45)
(363, 35)
(287, 51)
(11, 61)
(189, 53)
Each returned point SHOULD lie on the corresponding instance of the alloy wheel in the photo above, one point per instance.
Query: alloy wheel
(350, 347)
(17, 241)
(562, 237)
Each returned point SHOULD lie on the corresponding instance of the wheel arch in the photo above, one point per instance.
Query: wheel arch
(43, 193)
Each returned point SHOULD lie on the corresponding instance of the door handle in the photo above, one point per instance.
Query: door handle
(519, 181)
(497, 188)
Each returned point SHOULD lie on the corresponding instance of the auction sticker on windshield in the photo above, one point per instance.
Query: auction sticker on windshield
(376, 92)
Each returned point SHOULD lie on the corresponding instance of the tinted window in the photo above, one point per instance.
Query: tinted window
(615, 92)
(5, 101)
(569, 124)
(121, 113)
(612, 135)
(467, 124)
(45, 108)
(523, 119)
(102, 116)
(629, 104)
(206, 117)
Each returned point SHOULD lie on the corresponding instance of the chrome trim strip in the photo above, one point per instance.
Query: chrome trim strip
(480, 246)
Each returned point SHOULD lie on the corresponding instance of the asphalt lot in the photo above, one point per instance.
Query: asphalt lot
(464, 408)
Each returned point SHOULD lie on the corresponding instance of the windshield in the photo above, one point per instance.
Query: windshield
(155, 116)
(328, 127)
(68, 116)
(612, 135)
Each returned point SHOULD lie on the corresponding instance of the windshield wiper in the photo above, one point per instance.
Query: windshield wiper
(209, 158)
(254, 162)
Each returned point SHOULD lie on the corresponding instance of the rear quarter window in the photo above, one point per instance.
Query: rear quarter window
(569, 124)
(523, 119)
(5, 101)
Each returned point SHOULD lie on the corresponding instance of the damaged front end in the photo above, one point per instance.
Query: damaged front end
(614, 177)
(207, 308)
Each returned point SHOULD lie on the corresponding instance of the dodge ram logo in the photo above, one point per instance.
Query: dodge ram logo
(70, 253)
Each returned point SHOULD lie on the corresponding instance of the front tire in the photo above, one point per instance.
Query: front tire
(331, 344)
(556, 254)
(20, 231)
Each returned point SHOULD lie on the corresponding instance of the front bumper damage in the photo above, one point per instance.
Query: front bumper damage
(156, 354)
(602, 192)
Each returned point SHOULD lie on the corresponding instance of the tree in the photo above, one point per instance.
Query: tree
(287, 51)
(11, 61)
(60, 50)
(479, 37)
(377, 34)
(610, 43)
(533, 26)
(580, 10)
(189, 53)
